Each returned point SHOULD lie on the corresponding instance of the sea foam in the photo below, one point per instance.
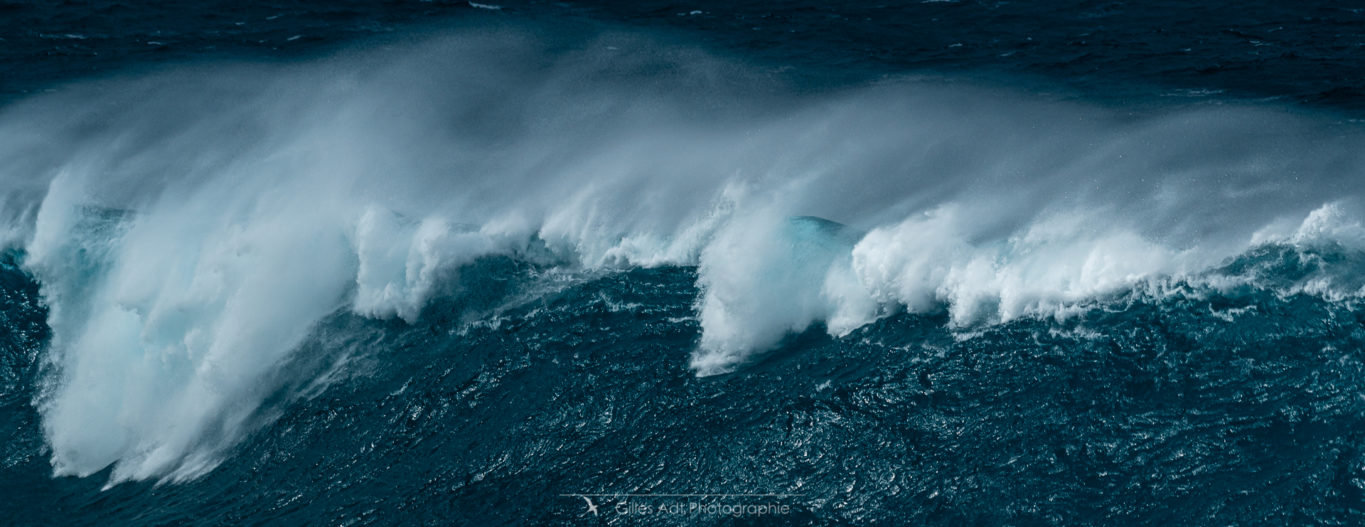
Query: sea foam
(190, 228)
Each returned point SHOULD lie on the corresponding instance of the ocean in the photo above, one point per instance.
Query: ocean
(710, 263)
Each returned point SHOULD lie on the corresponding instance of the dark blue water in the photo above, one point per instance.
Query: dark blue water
(1181, 392)
(1306, 52)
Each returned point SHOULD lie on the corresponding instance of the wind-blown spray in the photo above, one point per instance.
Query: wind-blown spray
(191, 227)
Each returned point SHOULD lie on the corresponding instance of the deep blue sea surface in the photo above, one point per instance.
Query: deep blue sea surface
(708, 263)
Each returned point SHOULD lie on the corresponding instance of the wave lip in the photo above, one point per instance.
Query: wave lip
(788, 279)
(765, 277)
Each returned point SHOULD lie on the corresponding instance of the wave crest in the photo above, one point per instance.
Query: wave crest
(191, 228)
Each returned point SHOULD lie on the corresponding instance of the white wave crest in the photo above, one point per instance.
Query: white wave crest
(190, 228)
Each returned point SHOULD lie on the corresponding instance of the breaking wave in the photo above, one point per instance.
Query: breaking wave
(192, 227)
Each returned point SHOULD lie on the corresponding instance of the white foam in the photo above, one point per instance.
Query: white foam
(401, 263)
(189, 229)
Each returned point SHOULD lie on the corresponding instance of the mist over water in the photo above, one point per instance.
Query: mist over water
(191, 228)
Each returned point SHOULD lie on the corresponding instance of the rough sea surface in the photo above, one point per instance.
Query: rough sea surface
(708, 263)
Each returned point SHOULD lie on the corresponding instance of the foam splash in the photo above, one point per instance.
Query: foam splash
(189, 229)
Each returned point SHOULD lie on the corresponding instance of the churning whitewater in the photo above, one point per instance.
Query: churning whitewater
(191, 228)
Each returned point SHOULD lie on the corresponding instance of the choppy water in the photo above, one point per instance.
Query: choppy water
(432, 263)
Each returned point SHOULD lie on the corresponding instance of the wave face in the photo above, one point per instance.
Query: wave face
(524, 383)
(219, 248)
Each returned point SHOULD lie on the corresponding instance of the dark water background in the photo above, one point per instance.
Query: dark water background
(1305, 52)
(1137, 411)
